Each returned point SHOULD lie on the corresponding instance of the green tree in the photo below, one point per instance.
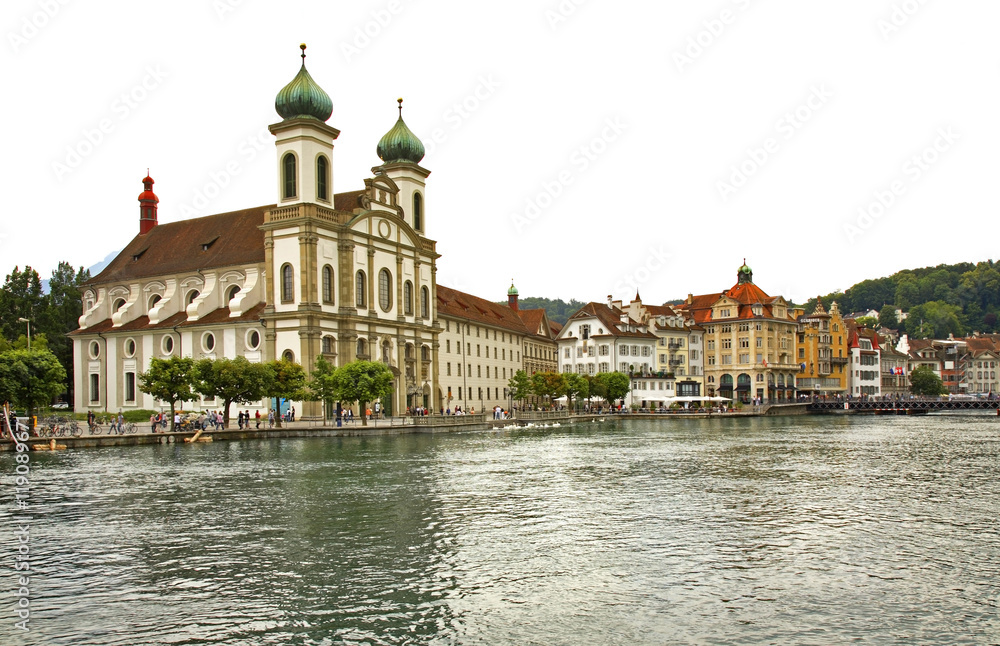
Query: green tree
(548, 384)
(233, 381)
(362, 382)
(867, 321)
(321, 384)
(935, 319)
(598, 386)
(923, 381)
(30, 378)
(519, 386)
(289, 382)
(887, 317)
(169, 380)
(21, 297)
(576, 387)
(62, 314)
(615, 385)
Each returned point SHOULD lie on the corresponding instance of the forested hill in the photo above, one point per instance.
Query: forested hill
(556, 309)
(958, 299)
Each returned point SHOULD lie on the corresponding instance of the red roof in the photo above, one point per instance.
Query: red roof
(451, 302)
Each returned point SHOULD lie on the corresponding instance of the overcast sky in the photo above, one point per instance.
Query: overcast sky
(581, 148)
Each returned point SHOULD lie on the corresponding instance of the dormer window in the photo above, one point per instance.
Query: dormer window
(205, 245)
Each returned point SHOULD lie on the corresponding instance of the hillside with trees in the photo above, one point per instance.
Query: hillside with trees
(947, 299)
(556, 309)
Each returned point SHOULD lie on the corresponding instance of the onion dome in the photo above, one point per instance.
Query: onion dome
(148, 194)
(744, 274)
(512, 291)
(400, 144)
(303, 97)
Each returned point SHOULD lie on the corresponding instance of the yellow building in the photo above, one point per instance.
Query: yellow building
(821, 349)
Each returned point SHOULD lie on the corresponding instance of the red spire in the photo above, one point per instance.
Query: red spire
(147, 205)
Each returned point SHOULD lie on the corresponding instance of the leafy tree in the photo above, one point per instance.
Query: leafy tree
(320, 383)
(362, 382)
(30, 378)
(923, 381)
(62, 315)
(169, 380)
(289, 382)
(21, 297)
(866, 321)
(233, 381)
(615, 385)
(519, 385)
(597, 386)
(548, 384)
(576, 387)
(935, 319)
(887, 317)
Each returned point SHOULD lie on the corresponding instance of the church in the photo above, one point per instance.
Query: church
(344, 276)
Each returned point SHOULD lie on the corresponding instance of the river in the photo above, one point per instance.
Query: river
(797, 530)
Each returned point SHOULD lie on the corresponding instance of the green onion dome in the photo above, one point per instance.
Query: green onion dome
(303, 97)
(400, 144)
(512, 291)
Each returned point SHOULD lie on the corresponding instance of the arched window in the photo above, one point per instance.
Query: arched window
(408, 298)
(288, 356)
(362, 348)
(322, 174)
(153, 300)
(418, 212)
(287, 284)
(327, 345)
(359, 289)
(233, 291)
(385, 289)
(425, 353)
(193, 294)
(328, 284)
(425, 297)
(120, 303)
(288, 176)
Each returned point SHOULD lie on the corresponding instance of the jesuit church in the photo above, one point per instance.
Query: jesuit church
(341, 275)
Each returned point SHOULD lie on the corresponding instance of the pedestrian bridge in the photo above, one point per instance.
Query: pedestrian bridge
(905, 406)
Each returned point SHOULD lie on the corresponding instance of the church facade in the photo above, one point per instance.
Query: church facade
(341, 275)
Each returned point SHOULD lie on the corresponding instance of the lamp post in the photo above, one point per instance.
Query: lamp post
(27, 323)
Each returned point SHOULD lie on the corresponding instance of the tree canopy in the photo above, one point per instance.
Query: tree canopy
(169, 380)
(233, 381)
(923, 381)
(30, 378)
(361, 382)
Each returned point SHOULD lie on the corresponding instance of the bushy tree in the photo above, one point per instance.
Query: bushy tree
(576, 387)
(288, 382)
(30, 378)
(169, 380)
(614, 384)
(519, 386)
(321, 384)
(923, 381)
(233, 381)
(548, 384)
(361, 382)
(887, 317)
(935, 319)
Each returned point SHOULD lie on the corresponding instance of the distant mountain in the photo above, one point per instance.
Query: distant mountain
(94, 270)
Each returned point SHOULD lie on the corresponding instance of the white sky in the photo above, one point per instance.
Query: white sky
(648, 208)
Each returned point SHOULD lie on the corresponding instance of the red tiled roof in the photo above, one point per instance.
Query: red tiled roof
(456, 304)
(610, 318)
(536, 322)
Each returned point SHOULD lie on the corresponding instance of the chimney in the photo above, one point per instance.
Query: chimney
(147, 206)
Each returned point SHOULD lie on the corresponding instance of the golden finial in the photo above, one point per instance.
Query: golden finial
(302, 46)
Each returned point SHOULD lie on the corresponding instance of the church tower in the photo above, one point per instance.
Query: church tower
(400, 151)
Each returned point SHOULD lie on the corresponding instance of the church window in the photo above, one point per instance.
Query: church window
(362, 348)
(167, 346)
(322, 177)
(208, 341)
(233, 291)
(287, 284)
(288, 356)
(385, 289)
(288, 176)
(408, 298)
(120, 303)
(327, 345)
(418, 212)
(359, 289)
(153, 300)
(425, 353)
(253, 339)
(425, 298)
(95, 349)
(328, 284)
(95, 388)
(130, 347)
(193, 294)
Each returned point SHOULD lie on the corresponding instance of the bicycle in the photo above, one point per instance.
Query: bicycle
(130, 428)
(96, 429)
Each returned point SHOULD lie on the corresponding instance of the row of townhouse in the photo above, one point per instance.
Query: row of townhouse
(968, 366)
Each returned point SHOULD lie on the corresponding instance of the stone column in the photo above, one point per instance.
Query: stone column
(345, 282)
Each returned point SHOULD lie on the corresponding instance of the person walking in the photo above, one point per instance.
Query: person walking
(153, 422)
(257, 417)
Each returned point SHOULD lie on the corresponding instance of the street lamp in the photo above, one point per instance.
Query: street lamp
(28, 325)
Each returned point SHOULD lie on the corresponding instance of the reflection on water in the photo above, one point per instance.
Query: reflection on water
(794, 530)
